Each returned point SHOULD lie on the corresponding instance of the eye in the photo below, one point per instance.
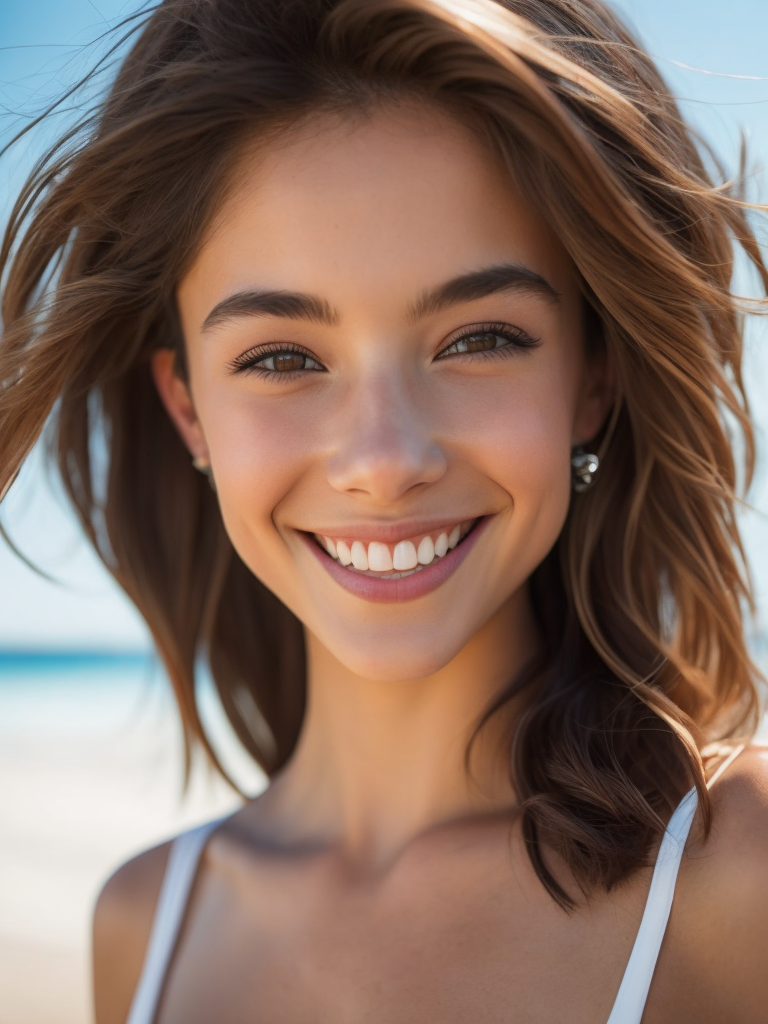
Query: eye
(489, 340)
(275, 361)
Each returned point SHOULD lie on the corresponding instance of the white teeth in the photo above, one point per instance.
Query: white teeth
(405, 555)
(379, 558)
(359, 555)
(343, 552)
(426, 551)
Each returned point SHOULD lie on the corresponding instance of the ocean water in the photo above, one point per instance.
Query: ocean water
(76, 697)
(75, 694)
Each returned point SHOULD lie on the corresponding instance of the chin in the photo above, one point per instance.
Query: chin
(395, 659)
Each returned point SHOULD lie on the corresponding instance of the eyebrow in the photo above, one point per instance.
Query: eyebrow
(289, 305)
(503, 277)
(299, 306)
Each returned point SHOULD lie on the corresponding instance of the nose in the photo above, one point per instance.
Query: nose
(384, 446)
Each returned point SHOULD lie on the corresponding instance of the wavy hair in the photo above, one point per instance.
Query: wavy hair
(642, 600)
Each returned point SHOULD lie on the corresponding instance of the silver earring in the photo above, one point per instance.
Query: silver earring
(202, 465)
(584, 465)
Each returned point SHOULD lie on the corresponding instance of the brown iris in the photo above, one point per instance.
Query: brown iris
(288, 361)
(479, 342)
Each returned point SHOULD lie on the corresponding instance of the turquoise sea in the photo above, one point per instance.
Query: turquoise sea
(74, 693)
(92, 695)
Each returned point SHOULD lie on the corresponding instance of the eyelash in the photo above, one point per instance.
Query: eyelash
(518, 340)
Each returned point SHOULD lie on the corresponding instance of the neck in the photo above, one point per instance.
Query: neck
(380, 762)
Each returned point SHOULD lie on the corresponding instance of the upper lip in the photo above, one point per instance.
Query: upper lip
(391, 533)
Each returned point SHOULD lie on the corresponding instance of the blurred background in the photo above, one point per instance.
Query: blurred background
(90, 754)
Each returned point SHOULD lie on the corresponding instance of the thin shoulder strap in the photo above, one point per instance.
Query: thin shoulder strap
(630, 1002)
(180, 873)
(726, 764)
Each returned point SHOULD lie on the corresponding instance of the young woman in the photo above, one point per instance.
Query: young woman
(408, 328)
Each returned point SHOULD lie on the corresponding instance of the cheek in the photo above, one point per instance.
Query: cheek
(518, 435)
(526, 451)
(260, 449)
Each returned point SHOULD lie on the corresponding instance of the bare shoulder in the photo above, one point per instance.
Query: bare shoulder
(740, 812)
(734, 857)
(724, 883)
(122, 922)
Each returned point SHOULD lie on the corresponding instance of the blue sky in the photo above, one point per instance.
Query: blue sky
(715, 56)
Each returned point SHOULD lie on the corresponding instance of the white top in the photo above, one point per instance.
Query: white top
(630, 1002)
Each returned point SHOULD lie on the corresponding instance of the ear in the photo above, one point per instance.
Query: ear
(596, 399)
(177, 400)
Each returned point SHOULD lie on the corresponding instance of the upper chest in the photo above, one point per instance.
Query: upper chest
(467, 935)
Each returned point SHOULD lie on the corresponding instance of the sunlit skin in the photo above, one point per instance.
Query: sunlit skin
(389, 434)
(376, 880)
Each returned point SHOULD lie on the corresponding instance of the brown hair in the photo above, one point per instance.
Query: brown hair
(641, 601)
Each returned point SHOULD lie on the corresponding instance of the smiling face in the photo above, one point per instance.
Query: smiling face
(386, 369)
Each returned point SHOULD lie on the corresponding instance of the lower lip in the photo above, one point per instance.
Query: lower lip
(406, 588)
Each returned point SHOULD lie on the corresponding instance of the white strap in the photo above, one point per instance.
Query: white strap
(734, 753)
(179, 875)
(630, 1002)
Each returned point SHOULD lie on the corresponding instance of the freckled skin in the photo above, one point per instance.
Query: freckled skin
(375, 880)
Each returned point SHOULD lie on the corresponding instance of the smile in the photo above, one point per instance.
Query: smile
(396, 568)
(394, 561)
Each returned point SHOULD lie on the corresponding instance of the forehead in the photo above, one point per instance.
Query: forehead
(354, 207)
